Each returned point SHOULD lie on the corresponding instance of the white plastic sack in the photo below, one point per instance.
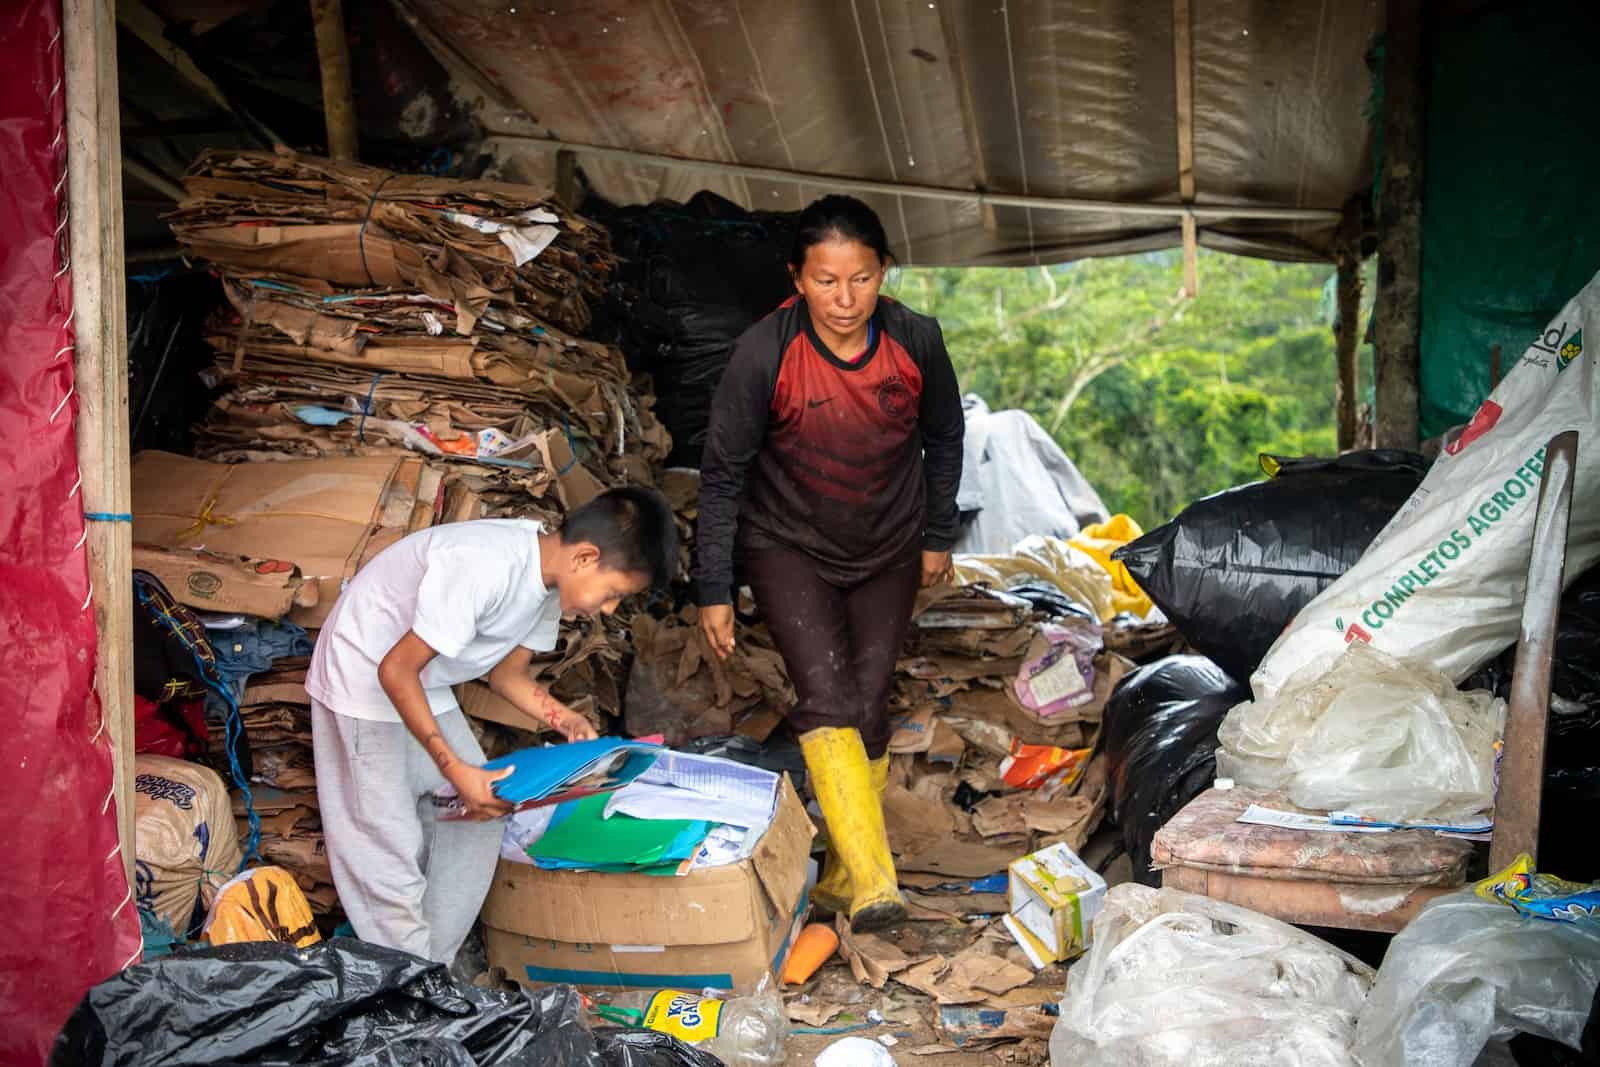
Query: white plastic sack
(1174, 978)
(1467, 971)
(1443, 583)
(1371, 735)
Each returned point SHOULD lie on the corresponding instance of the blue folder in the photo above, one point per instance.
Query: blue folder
(552, 774)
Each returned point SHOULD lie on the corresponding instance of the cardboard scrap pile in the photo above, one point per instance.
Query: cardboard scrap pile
(277, 718)
(373, 313)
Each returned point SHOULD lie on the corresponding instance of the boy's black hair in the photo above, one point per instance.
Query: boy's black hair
(634, 530)
(838, 216)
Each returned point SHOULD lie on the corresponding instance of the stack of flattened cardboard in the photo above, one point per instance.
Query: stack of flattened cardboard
(962, 715)
(371, 313)
(277, 718)
(198, 525)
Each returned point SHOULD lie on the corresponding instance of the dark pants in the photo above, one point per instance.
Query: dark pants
(840, 644)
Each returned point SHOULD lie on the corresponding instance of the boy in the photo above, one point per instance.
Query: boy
(441, 607)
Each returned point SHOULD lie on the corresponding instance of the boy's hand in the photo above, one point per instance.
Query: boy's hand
(716, 625)
(476, 787)
(574, 727)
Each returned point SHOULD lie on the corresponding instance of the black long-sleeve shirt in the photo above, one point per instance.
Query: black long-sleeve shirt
(849, 463)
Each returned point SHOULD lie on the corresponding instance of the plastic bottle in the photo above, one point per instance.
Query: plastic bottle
(746, 1031)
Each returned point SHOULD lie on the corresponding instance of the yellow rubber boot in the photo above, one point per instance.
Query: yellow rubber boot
(843, 781)
(832, 891)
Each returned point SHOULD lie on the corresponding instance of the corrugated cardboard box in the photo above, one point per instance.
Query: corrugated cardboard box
(1054, 897)
(723, 927)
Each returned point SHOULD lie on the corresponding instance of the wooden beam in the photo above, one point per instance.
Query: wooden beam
(94, 192)
(971, 128)
(338, 98)
(846, 184)
(1183, 57)
(151, 28)
(1347, 340)
(1517, 803)
(1399, 303)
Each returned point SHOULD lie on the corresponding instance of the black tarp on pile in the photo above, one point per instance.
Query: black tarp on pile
(694, 277)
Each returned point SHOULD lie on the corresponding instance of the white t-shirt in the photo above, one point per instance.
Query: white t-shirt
(471, 590)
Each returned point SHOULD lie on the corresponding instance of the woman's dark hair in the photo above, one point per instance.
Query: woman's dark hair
(839, 216)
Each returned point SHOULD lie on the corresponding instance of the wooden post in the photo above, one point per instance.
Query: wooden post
(1494, 366)
(1517, 802)
(1399, 304)
(94, 196)
(1183, 59)
(569, 191)
(338, 99)
(1348, 338)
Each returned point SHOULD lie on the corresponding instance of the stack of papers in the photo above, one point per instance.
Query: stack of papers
(680, 812)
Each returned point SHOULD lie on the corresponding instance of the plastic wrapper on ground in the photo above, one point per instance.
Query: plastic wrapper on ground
(1174, 978)
(1468, 971)
(1369, 734)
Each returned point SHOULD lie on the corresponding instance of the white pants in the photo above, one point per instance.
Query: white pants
(407, 880)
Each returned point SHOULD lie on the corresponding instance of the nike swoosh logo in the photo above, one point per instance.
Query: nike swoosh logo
(818, 403)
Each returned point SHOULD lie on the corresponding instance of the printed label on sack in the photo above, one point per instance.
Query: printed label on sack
(1521, 490)
(1058, 681)
(684, 1016)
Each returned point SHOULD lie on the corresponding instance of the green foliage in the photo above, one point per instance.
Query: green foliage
(1158, 400)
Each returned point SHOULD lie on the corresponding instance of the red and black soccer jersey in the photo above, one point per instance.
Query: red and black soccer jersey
(851, 463)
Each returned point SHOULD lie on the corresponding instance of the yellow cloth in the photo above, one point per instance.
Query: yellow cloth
(1101, 539)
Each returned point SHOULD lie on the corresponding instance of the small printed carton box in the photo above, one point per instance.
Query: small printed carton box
(720, 928)
(1053, 898)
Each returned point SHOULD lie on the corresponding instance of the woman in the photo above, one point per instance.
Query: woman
(831, 470)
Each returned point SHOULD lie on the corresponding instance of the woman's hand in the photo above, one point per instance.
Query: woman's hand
(936, 568)
(476, 787)
(716, 626)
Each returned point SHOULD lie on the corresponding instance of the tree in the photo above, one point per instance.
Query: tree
(1158, 399)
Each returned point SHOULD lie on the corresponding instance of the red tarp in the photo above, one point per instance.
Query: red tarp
(67, 919)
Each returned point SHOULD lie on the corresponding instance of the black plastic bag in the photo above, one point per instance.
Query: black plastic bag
(1234, 569)
(692, 278)
(1160, 738)
(342, 1002)
(646, 1048)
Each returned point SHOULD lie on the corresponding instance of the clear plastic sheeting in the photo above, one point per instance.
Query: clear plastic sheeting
(1467, 972)
(1056, 98)
(1018, 482)
(1177, 979)
(1369, 734)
